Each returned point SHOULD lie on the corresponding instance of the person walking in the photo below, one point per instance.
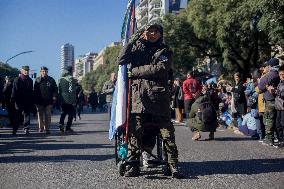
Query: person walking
(22, 98)
(67, 99)
(108, 90)
(80, 100)
(93, 100)
(151, 63)
(45, 94)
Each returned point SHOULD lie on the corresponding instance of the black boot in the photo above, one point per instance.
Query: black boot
(175, 172)
(132, 171)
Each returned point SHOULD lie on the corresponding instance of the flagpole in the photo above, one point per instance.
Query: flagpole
(129, 84)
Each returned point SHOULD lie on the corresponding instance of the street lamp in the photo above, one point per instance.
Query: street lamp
(18, 55)
(25, 52)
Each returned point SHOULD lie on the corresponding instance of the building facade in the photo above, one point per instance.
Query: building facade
(84, 64)
(150, 11)
(100, 59)
(67, 56)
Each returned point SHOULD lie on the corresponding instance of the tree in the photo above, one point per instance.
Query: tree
(7, 70)
(98, 77)
(238, 33)
(187, 46)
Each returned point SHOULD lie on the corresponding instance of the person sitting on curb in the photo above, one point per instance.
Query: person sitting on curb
(202, 117)
(250, 124)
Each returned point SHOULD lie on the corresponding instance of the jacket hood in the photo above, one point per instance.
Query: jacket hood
(65, 73)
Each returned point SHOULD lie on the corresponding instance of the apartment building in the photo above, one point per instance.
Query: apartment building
(100, 59)
(67, 56)
(84, 64)
(150, 11)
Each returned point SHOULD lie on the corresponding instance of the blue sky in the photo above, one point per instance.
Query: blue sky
(44, 25)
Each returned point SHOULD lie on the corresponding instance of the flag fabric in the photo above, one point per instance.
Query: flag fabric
(119, 101)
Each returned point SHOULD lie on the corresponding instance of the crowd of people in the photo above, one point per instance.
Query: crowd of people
(252, 106)
(22, 96)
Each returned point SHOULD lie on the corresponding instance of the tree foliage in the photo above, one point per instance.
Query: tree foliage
(239, 33)
(98, 77)
(7, 70)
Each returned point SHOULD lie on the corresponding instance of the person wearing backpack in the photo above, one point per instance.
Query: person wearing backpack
(67, 98)
(202, 117)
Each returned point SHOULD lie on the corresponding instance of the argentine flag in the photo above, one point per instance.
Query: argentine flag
(119, 101)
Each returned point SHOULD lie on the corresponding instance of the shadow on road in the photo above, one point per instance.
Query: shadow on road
(248, 167)
(60, 158)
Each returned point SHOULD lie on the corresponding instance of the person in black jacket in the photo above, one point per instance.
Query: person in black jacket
(239, 97)
(22, 98)
(45, 93)
(6, 100)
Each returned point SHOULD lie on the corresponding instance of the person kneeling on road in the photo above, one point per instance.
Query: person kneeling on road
(202, 117)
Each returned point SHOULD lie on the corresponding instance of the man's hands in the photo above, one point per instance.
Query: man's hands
(129, 74)
(271, 89)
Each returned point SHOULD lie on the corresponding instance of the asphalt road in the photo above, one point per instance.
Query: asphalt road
(85, 159)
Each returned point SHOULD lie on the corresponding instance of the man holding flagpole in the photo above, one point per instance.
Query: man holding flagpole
(151, 65)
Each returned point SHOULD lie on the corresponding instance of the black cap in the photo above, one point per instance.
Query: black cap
(44, 68)
(273, 62)
(156, 26)
(27, 68)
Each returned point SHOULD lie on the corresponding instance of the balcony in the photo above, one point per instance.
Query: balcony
(142, 10)
(143, 3)
(155, 7)
(154, 1)
(143, 19)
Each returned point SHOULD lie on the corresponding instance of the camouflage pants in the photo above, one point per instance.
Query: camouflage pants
(136, 131)
(269, 119)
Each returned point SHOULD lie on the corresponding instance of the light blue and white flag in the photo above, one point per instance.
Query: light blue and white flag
(119, 101)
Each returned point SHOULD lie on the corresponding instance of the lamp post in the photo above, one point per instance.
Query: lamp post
(17, 55)
(25, 52)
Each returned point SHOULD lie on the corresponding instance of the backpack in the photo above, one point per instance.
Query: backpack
(207, 113)
(192, 88)
(180, 94)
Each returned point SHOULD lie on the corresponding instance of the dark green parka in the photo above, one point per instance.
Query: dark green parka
(194, 118)
(151, 64)
(67, 89)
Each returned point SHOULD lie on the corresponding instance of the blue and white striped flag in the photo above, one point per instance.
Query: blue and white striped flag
(119, 102)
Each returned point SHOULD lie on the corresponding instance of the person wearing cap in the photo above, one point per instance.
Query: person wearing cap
(67, 98)
(22, 98)
(150, 63)
(45, 94)
(267, 85)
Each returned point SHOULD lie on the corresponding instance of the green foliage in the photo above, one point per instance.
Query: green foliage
(7, 70)
(98, 77)
(239, 33)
